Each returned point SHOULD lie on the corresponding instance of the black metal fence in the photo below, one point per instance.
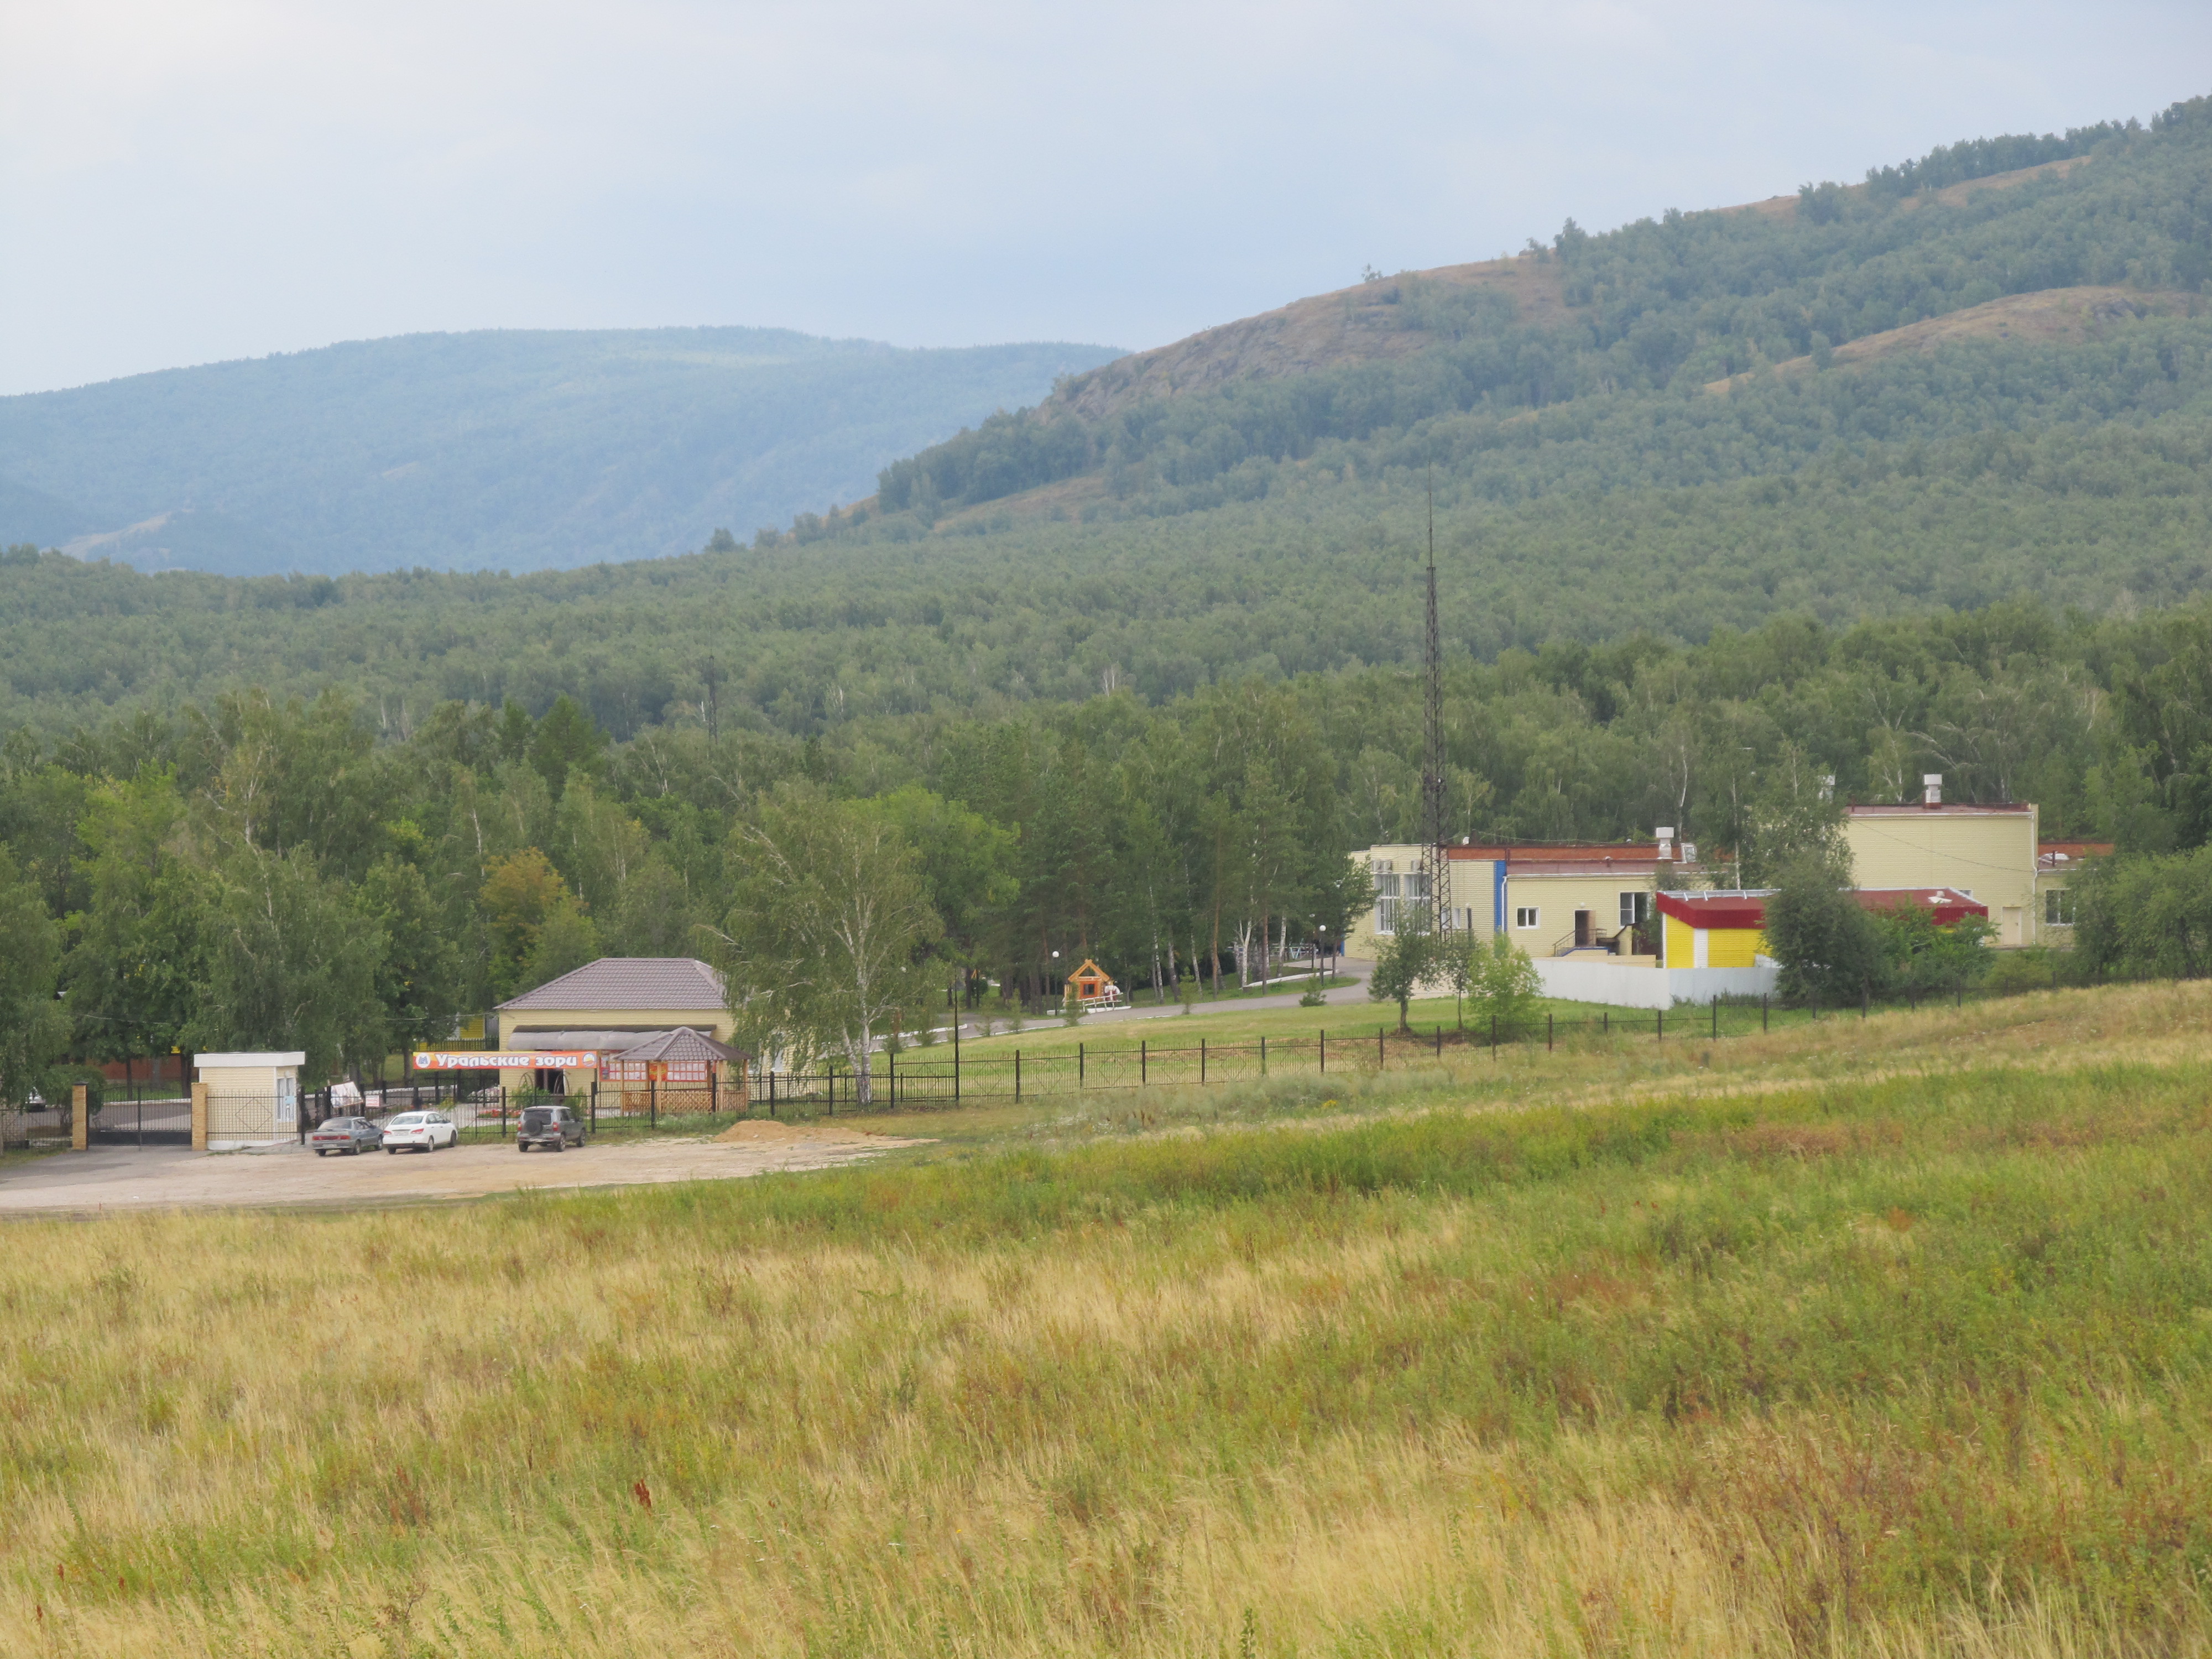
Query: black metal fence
(902, 1081)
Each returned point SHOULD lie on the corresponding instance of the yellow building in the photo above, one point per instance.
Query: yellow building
(1554, 900)
(1713, 930)
(609, 1005)
(1990, 854)
(2056, 864)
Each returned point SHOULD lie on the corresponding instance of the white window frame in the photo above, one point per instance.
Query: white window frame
(1527, 917)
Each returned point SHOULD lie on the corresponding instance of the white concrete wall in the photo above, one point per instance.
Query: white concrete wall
(1625, 986)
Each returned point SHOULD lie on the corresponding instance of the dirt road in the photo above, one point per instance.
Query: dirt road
(126, 1178)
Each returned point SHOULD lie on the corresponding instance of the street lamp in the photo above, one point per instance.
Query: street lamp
(1320, 955)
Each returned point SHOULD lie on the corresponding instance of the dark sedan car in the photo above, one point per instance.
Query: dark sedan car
(350, 1135)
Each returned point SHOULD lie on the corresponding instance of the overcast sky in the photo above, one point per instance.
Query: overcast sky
(184, 182)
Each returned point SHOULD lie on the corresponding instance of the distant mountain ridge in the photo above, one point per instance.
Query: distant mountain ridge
(1454, 364)
(501, 449)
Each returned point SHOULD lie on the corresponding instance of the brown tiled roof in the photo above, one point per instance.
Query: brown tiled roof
(627, 982)
(683, 1045)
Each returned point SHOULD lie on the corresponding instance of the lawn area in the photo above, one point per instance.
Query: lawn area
(1890, 1336)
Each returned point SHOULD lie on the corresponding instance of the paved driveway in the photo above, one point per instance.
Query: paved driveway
(1144, 1008)
(127, 1178)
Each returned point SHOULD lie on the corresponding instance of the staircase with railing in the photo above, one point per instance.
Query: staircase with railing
(1635, 940)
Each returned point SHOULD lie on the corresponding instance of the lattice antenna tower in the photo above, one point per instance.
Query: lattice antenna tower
(1436, 862)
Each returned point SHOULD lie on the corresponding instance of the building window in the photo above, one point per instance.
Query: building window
(1635, 908)
(1524, 916)
(2058, 908)
(1386, 895)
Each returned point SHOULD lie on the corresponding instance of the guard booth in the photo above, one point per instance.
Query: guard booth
(245, 1100)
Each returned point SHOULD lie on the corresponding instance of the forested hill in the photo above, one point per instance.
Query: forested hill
(507, 449)
(1692, 350)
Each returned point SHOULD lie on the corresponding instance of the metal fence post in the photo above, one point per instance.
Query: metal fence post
(1548, 1033)
(1493, 1036)
(1018, 1076)
(1079, 1065)
(1143, 1065)
(1762, 1012)
(1381, 1059)
(1201, 1060)
(1263, 1056)
(1324, 1051)
(595, 1105)
(1659, 1026)
(1440, 1039)
(652, 1103)
(1716, 1014)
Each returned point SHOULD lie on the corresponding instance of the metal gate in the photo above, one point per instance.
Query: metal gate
(141, 1123)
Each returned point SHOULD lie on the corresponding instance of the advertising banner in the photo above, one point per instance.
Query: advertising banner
(528, 1059)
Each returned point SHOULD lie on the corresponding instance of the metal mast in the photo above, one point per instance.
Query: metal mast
(1434, 861)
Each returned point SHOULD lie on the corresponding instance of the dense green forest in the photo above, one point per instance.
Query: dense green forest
(268, 870)
(799, 640)
(511, 449)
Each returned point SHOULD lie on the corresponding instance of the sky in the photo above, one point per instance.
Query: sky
(186, 181)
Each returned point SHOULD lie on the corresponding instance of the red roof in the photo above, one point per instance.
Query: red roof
(2051, 854)
(1725, 910)
(1571, 858)
(1913, 808)
(1949, 904)
(1749, 910)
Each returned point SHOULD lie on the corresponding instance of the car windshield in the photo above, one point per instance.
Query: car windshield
(407, 1121)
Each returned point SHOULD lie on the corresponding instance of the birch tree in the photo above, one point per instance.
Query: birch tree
(825, 949)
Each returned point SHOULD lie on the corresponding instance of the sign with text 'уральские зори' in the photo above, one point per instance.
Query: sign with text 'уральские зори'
(528, 1060)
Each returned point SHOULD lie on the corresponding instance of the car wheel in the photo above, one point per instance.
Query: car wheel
(322, 1151)
(388, 1150)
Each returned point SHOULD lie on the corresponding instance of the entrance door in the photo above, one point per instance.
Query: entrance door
(1581, 929)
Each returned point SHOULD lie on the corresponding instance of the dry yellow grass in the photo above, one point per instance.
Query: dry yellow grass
(1126, 1402)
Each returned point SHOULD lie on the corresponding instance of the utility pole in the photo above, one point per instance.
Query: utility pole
(1436, 863)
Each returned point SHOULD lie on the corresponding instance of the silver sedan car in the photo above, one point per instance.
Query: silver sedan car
(421, 1132)
(350, 1135)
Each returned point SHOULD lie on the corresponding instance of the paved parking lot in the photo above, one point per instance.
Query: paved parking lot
(124, 1178)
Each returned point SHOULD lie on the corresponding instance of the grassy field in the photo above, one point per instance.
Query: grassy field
(1881, 1337)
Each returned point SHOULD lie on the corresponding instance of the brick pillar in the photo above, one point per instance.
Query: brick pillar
(199, 1117)
(78, 1128)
